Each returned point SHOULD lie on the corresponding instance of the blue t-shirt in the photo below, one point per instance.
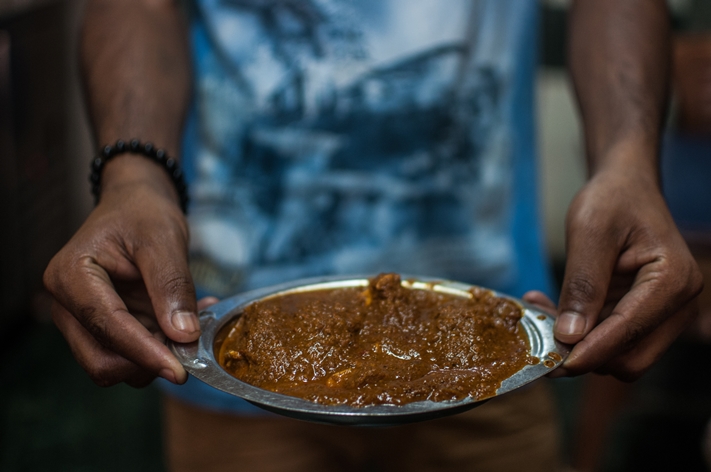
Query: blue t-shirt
(362, 136)
(686, 179)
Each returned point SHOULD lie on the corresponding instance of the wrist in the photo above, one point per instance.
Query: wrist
(127, 171)
(632, 158)
(133, 171)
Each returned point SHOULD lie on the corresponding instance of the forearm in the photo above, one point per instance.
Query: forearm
(630, 281)
(122, 283)
(137, 78)
(619, 56)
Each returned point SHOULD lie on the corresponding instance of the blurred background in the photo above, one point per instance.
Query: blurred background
(52, 417)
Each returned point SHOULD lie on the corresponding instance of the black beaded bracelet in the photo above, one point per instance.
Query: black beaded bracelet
(148, 150)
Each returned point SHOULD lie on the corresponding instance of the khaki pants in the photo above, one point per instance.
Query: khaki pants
(515, 432)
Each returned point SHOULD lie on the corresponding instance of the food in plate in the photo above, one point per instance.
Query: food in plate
(385, 344)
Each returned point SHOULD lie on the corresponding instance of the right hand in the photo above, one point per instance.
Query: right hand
(122, 284)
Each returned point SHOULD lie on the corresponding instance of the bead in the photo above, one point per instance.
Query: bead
(160, 155)
(170, 163)
(149, 149)
(96, 164)
(135, 145)
(120, 146)
(108, 151)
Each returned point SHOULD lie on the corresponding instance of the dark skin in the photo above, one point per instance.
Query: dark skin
(630, 281)
(122, 283)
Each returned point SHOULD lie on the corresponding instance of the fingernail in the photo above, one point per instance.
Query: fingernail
(185, 321)
(570, 323)
(168, 375)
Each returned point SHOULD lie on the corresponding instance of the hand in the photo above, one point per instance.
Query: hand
(630, 281)
(122, 284)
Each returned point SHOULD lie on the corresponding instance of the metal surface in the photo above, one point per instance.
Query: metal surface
(199, 358)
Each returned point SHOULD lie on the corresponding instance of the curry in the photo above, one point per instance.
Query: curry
(387, 344)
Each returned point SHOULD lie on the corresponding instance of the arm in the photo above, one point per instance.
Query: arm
(619, 58)
(630, 282)
(122, 283)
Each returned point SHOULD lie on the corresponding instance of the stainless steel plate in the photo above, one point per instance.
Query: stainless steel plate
(199, 358)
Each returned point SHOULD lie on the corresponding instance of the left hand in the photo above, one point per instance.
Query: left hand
(630, 282)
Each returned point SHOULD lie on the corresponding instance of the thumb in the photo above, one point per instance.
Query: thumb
(591, 260)
(164, 267)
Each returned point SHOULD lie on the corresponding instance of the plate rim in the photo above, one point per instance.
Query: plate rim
(199, 360)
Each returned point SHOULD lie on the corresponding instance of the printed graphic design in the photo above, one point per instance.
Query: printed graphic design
(351, 137)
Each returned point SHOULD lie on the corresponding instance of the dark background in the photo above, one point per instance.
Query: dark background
(53, 418)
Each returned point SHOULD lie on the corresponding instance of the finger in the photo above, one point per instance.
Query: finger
(164, 266)
(652, 300)
(592, 254)
(206, 302)
(87, 293)
(105, 368)
(633, 364)
(140, 380)
(540, 300)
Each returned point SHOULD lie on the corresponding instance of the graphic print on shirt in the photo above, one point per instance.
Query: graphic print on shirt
(344, 136)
